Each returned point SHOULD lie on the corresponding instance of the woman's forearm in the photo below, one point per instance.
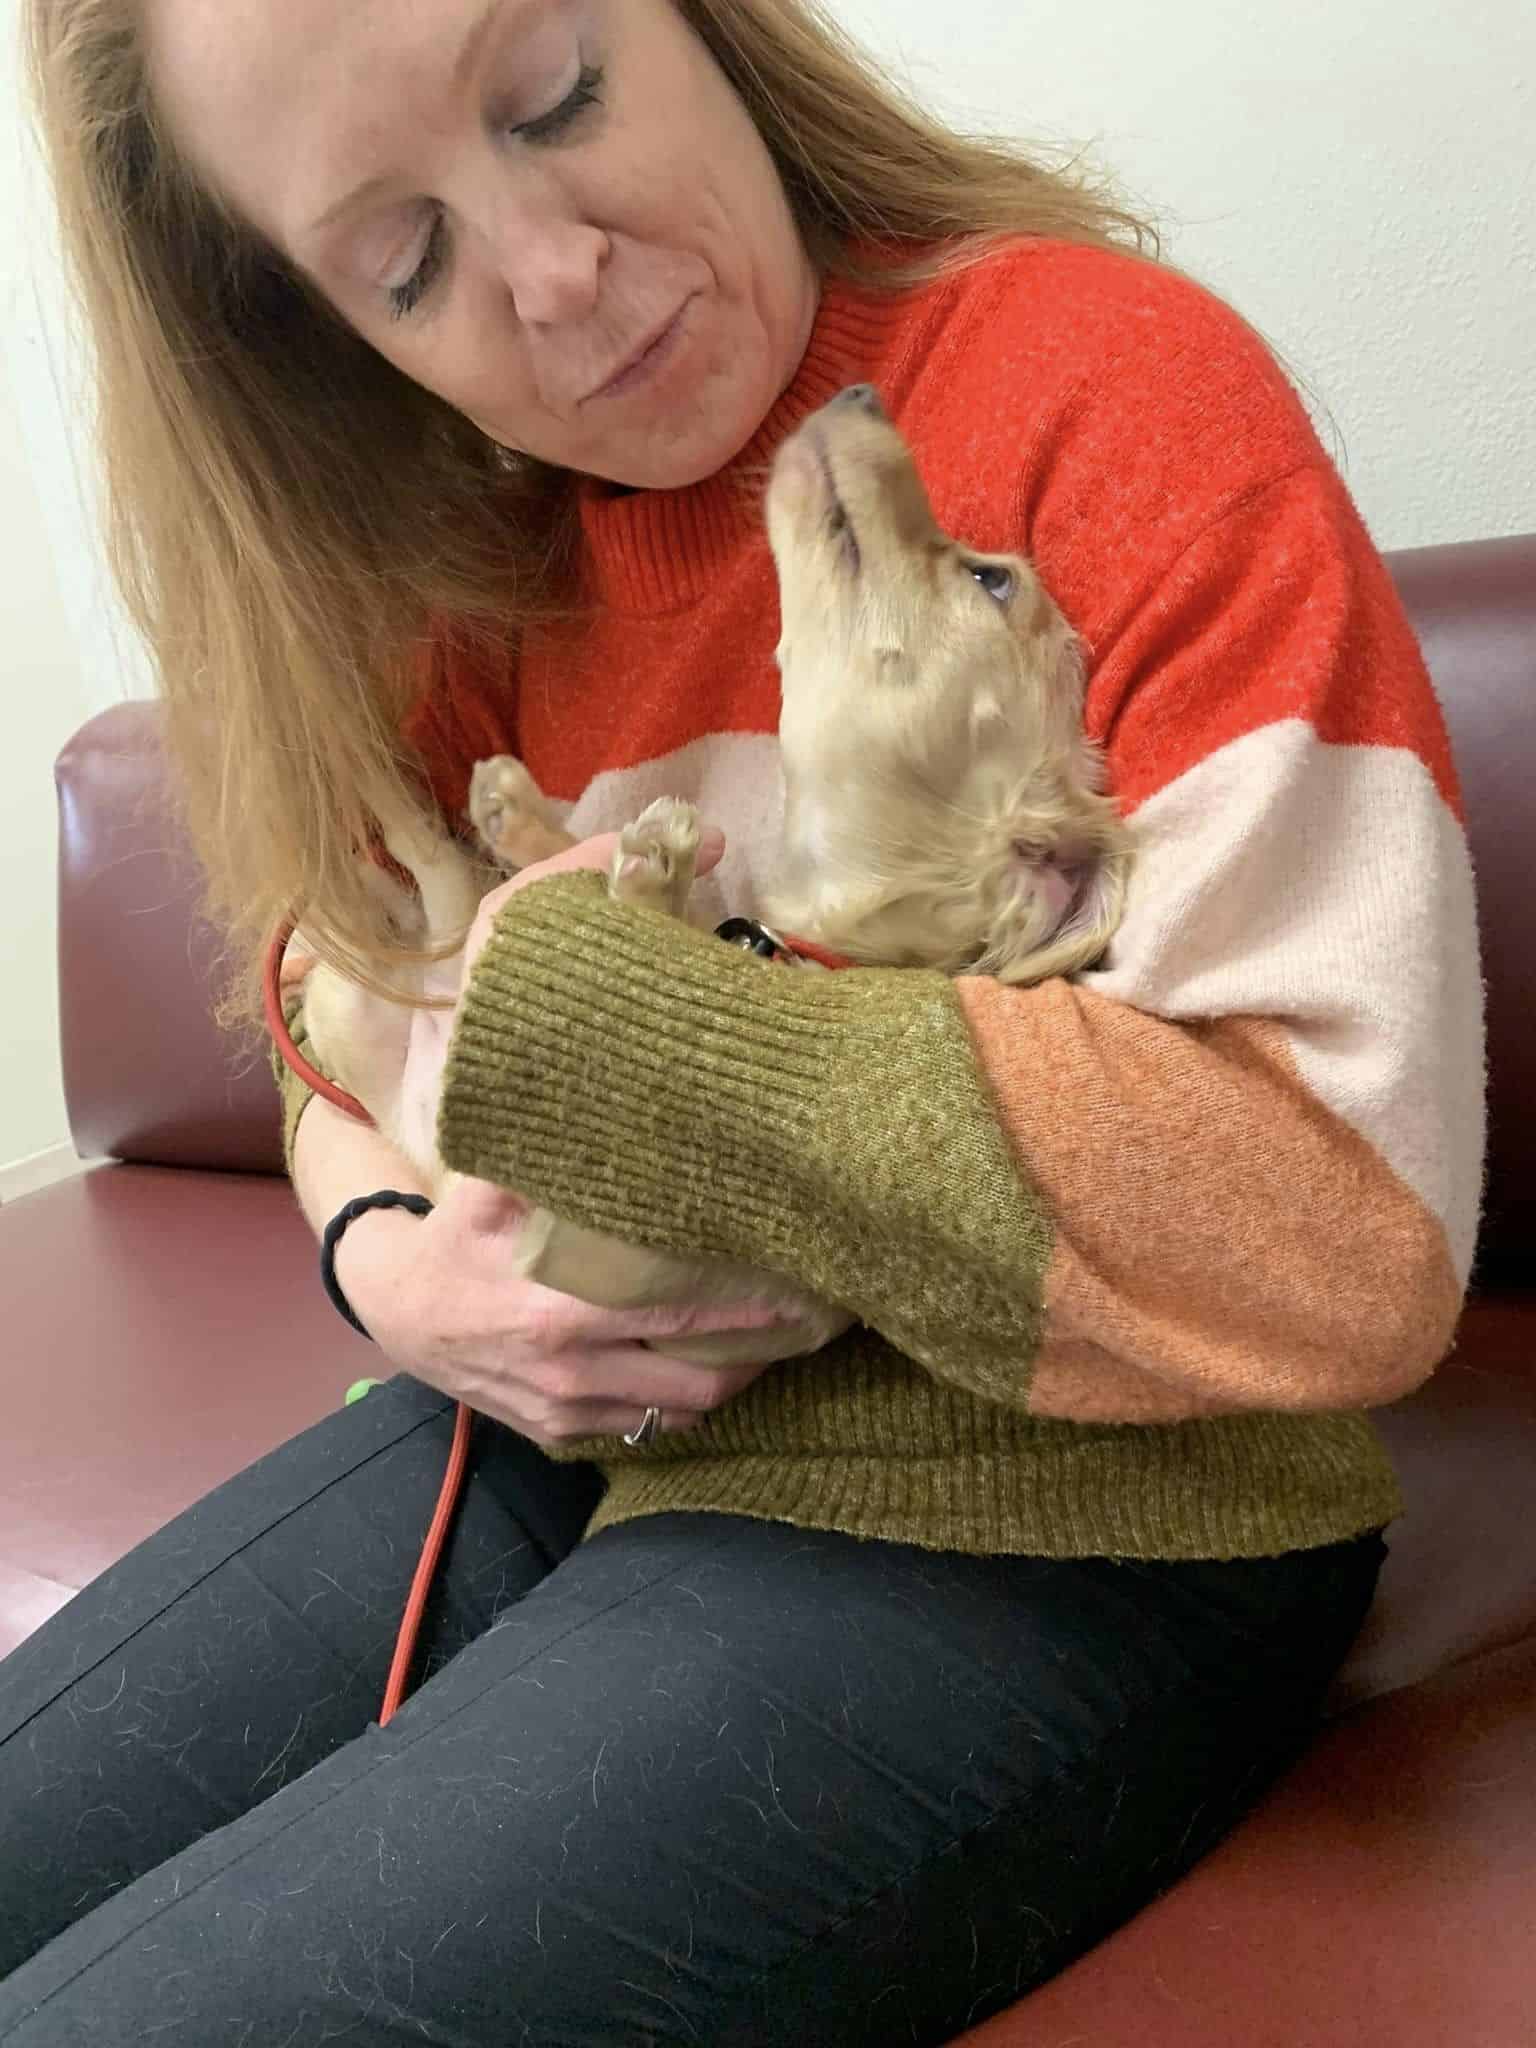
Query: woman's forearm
(335, 1158)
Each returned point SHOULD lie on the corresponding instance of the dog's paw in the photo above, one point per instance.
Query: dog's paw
(654, 860)
(502, 797)
(509, 813)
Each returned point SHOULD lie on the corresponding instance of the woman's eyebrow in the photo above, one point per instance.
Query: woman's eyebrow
(474, 42)
(463, 64)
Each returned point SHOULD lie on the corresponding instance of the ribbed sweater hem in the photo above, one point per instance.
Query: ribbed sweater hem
(1240, 1487)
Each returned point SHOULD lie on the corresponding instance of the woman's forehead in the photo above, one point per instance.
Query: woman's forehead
(279, 103)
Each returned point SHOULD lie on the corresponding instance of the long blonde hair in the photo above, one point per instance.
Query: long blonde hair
(288, 514)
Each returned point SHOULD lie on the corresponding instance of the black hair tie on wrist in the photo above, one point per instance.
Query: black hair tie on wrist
(335, 1230)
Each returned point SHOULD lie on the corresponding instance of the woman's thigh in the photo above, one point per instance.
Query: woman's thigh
(717, 1780)
(249, 1639)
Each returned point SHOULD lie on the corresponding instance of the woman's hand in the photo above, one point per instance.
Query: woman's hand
(591, 853)
(441, 1297)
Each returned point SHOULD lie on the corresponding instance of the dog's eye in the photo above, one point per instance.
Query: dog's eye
(995, 581)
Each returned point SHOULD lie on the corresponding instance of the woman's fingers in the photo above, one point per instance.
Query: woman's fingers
(564, 1321)
(711, 849)
(596, 853)
(594, 1419)
(553, 1423)
(630, 1376)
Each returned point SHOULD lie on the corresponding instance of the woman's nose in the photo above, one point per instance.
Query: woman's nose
(553, 270)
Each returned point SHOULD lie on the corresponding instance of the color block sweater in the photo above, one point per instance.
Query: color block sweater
(1131, 1253)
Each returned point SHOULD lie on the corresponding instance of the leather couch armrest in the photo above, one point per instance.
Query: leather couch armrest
(148, 1075)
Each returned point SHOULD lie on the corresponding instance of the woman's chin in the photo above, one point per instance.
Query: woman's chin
(671, 460)
(689, 441)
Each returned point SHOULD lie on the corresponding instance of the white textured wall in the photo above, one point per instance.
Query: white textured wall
(66, 650)
(1358, 175)
(44, 375)
(42, 704)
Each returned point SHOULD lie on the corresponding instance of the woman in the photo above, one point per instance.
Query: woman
(442, 350)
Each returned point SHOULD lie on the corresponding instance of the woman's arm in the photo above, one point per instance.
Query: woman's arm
(1237, 1168)
(335, 1158)
(442, 1297)
(332, 1158)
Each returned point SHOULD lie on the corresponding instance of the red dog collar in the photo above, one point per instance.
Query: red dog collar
(752, 937)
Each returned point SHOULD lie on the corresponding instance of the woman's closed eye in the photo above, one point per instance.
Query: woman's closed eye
(542, 130)
(405, 298)
(586, 92)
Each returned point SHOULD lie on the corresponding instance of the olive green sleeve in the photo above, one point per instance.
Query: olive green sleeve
(640, 1077)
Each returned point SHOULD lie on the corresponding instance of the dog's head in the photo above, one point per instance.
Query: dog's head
(943, 806)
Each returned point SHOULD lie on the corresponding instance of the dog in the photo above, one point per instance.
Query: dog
(943, 809)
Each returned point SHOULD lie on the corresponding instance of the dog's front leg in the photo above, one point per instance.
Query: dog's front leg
(654, 862)
(508, 810)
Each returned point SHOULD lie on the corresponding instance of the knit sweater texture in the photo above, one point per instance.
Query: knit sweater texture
(1131, 1254)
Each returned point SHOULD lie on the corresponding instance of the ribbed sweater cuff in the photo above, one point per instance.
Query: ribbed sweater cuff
(642, 1078)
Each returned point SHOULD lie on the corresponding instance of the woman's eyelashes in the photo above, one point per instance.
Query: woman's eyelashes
(405, 298)
(541, 130)
(586, 92)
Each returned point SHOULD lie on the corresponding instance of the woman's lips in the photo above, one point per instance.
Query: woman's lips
(651, 357)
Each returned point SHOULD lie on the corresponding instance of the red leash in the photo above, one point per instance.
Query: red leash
(277, 1024)
(458, 1456)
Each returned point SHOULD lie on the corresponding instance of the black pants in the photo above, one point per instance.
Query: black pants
(700, 1780)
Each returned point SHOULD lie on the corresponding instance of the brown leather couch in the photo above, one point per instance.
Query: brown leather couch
(164, 1325)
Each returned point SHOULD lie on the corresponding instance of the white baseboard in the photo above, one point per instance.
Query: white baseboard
(26, 1176)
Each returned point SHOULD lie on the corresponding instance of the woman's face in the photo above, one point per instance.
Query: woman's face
(555, 214)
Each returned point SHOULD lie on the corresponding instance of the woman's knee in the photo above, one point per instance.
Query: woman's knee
(242, 1645)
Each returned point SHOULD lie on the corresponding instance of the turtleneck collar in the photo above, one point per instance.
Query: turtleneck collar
(657, 551)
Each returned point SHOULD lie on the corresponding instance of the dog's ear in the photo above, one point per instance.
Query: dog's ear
(1089, 884)
(1083, 868)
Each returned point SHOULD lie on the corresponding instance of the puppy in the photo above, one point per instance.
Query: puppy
(942, 805)
(943, 809)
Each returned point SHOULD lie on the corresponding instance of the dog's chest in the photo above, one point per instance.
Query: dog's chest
(736, 782)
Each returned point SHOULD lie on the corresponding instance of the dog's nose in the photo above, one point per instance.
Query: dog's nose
(865, 396)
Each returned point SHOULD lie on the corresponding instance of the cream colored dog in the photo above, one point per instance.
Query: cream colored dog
(942, 809)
